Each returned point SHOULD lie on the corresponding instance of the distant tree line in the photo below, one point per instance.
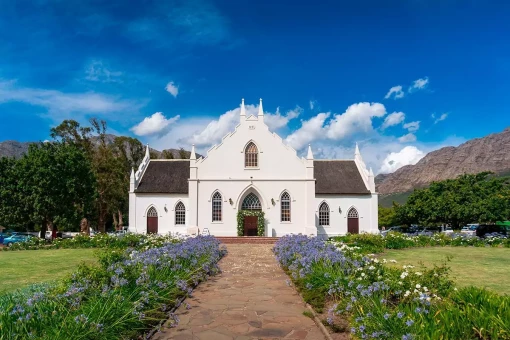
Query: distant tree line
(478, 198)
(80, 174)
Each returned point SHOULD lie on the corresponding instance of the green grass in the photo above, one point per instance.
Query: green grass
(21, 268)
(470, 266)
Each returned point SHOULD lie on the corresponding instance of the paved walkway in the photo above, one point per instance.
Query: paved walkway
(249, 300)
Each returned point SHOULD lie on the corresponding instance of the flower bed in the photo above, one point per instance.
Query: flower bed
(381, 302)
(371, 243)
(127, 294)
(138, 241)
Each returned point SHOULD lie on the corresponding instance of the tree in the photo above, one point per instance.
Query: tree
(386, 217)
(109, 172)
(13, 215)
(457, 202)
(183, 154)
(167, 154)
(55, 186)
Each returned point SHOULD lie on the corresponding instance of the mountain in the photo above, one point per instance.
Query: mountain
(490, 153)
(11, 148)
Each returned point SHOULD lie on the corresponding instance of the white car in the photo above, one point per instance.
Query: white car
(447, 230)
(470, 229)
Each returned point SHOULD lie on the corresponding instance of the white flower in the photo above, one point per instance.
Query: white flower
(363, 274)
(419, 273)
(400, 283)
(371, 268)
(393, 261)
(403, 275)
(418, 286)
(425, 289)
(407, 293)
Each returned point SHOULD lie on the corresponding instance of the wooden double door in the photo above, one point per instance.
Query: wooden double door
(250, 225)
(353, 225)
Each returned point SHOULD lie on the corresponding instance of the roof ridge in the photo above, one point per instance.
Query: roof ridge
(335, 160)
(169, 160)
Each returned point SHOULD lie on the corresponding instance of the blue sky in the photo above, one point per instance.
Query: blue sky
(331, 73)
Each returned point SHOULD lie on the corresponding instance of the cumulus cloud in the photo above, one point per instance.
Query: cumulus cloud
(276, 120)
(312, 104)
(310, 130)
(395, 160)
(440, 118)
(392, 119)
(172, 89)
(157, 124)
(396, 91)
(412, 126)
(357, 118)
(410, 137)
(419, 84)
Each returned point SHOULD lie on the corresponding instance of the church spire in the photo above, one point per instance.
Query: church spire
(243, 109)
(310, 154)
(261, 110)
(147, 152)
(193, 156)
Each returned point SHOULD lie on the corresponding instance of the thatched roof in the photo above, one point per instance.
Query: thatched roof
(338, 177)
(168, 176)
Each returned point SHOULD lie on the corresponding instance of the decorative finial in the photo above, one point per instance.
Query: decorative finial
(192, 154)
(261, 110)
(310, 154)
(243, 109)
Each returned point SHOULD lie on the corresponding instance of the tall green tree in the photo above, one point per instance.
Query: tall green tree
(13, 215)
(55, 187)
(183, 154)
(386, 217)
(457, 202)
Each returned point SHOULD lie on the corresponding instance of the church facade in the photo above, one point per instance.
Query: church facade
(254, 172)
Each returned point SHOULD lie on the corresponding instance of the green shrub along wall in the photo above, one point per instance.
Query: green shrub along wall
(260, 221)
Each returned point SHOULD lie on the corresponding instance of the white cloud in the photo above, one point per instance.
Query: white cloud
(172, 89)
(395, 160)
(392, 119)
(357, 118)
(312, 104)
(410, 137)
(277, 120)
(310, 130)
(419, 84)
(97, 71)
(412, 126)
(440, 118)
(396, 91)
(61, 105)
(157, 124)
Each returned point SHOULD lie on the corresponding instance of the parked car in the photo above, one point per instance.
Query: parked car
(16, 238)
(469, 229)
(447, 230)
(4, 235)
(493, 229)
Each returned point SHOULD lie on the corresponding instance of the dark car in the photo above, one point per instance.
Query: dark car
(484, 229)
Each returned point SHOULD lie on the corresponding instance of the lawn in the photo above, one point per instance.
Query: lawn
(470, 266)
(21, 268)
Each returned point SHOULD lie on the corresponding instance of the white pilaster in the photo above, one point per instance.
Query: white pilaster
(310, 227)
(193, 192)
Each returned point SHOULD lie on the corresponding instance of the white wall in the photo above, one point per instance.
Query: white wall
(265, 190)
(166, 219)
(338, 221)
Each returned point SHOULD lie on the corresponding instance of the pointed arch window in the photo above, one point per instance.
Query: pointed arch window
(152, 212)
(216, 207)
(285, 207)
(180, 214)
(353, 213)
(251, 202)
(324, 214)
(251, 156)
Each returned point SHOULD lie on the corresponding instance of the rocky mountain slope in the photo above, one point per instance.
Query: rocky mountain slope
(490, 153)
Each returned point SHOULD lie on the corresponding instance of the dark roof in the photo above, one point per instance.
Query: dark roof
(338, 177)
(169, 177)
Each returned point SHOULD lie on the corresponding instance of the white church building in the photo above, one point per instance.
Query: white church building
(252, 184)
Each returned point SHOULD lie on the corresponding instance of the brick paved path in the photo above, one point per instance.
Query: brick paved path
(249, 300)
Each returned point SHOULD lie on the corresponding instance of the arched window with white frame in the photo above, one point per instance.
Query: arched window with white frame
(180, 214)
(216, 207)
(285, 207)
(324, 214)
(251, 156)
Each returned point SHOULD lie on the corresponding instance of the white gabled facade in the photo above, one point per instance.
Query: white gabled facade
(221, 181)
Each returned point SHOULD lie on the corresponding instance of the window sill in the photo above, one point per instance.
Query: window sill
(285, 222)
(179, 225)
(325, 226)
(217, 222)
(254, 168)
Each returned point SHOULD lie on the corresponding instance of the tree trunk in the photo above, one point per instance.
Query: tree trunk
(84, 226)
(121, 222)
(115, 223)
(101, 225)
(44, 227)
